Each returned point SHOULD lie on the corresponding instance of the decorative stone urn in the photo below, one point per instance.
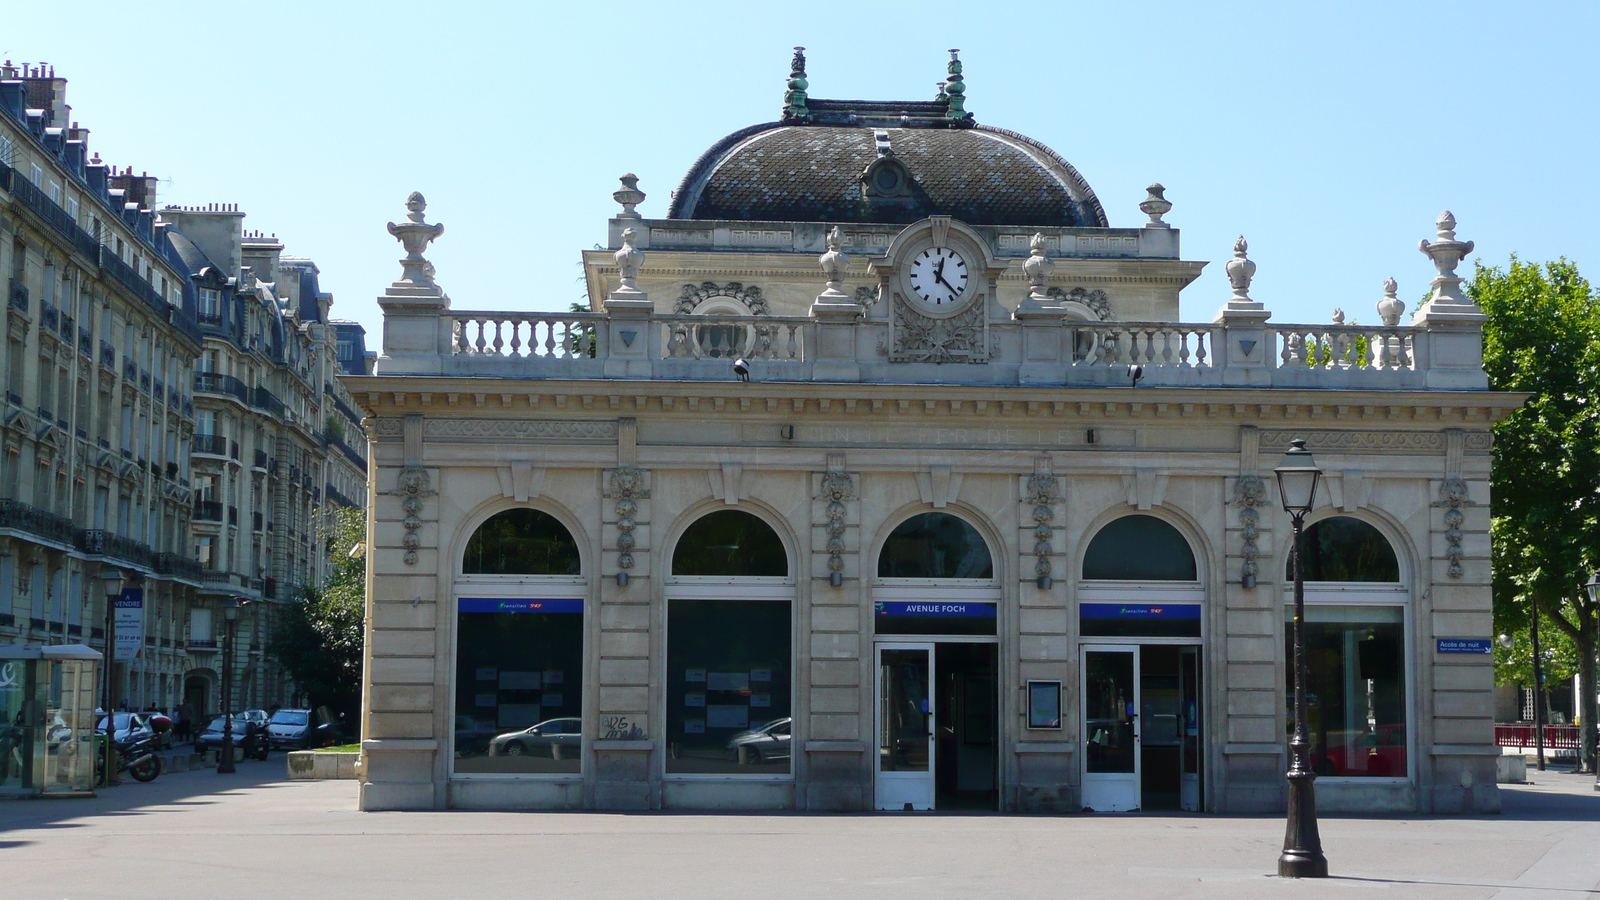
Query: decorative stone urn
(1390, 308)
(415, 234)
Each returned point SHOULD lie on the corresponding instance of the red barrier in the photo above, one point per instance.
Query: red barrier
(1556, 737)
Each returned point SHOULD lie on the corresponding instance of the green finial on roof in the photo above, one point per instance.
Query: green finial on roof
(794, 101)
(956, 88)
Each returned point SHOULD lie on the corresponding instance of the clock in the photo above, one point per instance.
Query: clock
(938, 277)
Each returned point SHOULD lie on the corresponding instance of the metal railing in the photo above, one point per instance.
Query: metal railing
(220, 383)
(1556, 737)
(211, 444)
(32, 520)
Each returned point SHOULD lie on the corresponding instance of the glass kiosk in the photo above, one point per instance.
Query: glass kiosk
(47, 704)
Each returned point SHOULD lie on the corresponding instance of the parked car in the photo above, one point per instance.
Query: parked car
(127, 728)
(553, 737)
(302, 729)
(211, 737)
(763, 742)
(258, 716)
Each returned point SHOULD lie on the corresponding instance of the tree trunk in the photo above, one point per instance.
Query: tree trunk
(1583, 626)
(1586, 700)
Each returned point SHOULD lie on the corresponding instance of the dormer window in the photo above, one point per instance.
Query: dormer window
(887, 177)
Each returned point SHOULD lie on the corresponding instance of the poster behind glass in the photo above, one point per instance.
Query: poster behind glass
(519, 686)
(728, 686)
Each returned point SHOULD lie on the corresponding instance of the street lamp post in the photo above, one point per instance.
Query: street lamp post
(111, 579)
(230, 611)
(1593, 587)
(1302, 845)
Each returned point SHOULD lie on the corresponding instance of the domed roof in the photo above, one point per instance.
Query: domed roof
(819, 173)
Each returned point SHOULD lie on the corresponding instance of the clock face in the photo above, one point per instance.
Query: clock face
(938, 276)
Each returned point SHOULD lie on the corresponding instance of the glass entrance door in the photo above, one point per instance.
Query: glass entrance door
(905, 726)
(1189, 728)
(1110, 728)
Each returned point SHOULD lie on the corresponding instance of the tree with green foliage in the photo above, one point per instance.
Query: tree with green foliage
(1543, 337)
(319, 639)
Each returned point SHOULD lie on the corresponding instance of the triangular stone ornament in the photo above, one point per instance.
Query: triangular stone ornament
(627, 337)
(1248, 347)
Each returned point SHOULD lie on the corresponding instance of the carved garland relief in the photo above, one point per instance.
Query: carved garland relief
(627, 488)
(1453, 495)
(1249, 493)
(749, 296)
(838, 487)
(961, 338)
(1043, 492)
(412, 486)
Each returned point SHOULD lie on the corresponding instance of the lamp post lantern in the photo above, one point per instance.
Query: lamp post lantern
(1593, 587)
(111, 579)
(1302, 857)
(230, 611)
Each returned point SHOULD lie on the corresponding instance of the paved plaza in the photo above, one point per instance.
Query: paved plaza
(199, 835)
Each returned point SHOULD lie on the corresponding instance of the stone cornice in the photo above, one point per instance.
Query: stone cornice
(533, 401)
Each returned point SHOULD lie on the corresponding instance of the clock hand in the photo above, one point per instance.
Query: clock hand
(939, 277)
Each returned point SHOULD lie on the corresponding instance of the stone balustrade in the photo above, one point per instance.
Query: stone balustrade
(702, 348)
(1046, 341)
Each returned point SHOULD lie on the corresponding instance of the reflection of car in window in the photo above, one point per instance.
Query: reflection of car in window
(1380, 753)
(769, 741)
(552, 737)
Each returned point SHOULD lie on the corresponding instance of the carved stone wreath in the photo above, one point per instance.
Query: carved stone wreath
(1453, 495)
(627, 488)
(867, 294)
(749, 296)
(962, 338)
(838, 487)
(1096, 300)
(1043, 492)
(1249, 492)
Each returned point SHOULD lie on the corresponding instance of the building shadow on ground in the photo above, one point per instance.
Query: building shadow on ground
(130, 798)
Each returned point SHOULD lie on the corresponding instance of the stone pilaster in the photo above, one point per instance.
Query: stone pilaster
(405, 766)
(836, 754)
(626, 738)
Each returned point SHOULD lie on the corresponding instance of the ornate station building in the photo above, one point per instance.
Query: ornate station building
(884, 475)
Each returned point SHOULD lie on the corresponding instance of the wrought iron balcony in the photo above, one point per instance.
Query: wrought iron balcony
(17, 298)
(219, 383)
(209, 444)
(207, 511)
(177, 566)
(31, 520)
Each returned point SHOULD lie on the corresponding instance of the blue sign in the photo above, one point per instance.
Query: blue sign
(1464, 645)
(493, 605)
(897, 608)
(1139, 610)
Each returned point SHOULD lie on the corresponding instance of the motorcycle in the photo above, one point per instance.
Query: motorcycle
(137, 758)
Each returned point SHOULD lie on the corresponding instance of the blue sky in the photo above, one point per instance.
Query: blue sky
(1330, 135)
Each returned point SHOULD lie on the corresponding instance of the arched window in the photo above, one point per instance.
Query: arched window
(935, 545)
(1139, 548)
(730, 542)
(1346, 549)
(521, 542)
